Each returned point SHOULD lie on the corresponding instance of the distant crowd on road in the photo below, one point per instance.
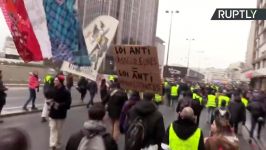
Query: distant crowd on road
(135, 115)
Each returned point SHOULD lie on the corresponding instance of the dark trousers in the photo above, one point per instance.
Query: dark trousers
(31, 99)
(254, 121)
(92, 95)
(1, 107)
(83, 93)
(235, 126)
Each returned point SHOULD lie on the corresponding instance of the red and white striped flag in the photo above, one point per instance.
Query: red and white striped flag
(21, 29)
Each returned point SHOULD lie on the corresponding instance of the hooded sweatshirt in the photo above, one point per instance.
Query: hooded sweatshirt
(153, 119)
(217, 142)
(89, 138)
(184, 129)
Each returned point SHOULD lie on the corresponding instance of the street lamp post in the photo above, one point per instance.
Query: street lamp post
(189, 46)
(169, 38)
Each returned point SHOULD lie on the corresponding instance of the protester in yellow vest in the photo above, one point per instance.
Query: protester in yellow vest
(211, 105)
(245, 101)
(175, 137)
(174, 94)
(225, 98)
(158, 99)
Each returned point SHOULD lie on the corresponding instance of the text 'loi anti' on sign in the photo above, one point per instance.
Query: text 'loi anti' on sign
(138, 67)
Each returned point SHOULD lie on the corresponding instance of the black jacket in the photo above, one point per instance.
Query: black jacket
(92, 87)
(2, 93)
(48, 91)
(187, 101)
(116, 103)
(238, 112)
(63, 99)
(152, 118)
(256, 109)
(184, 129)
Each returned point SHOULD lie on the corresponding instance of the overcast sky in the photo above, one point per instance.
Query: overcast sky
(217, 43)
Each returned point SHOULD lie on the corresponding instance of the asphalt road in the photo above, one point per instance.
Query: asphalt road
(17, 96)
(39, 132)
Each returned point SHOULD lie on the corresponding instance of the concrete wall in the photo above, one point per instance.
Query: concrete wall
(19, 74)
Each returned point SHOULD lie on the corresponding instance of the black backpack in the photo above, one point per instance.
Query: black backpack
(135, 135)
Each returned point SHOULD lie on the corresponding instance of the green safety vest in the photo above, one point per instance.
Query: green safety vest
(174, 90)
(211, 101)
(48, 79)
(166, 84)
(176, 143)
(244, 101)
(195, 96)
(158, 98)
(111, 78)
(221, 98)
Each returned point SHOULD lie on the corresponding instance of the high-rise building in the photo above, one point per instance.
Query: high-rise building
(259, 60)
(137, 18)
(137, 22)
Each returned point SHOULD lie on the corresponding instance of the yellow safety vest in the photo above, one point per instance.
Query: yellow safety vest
(111, 78)
(158, 98)
(175, 143)
(174, 90)
(195, 96)
(211, 101)
(244, 101)
(48, 79)
(221, 98)
(166, 84)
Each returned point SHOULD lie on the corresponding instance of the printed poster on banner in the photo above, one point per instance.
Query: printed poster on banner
(138, 68)
(98, 37)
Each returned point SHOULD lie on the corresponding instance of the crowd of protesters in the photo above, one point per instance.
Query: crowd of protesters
(135, 115)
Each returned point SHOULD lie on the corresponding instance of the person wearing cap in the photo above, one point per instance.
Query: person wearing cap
(184, 133)
(59, 105)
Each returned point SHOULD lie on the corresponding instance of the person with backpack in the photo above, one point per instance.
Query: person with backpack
(145, 125)
(133, 99)
(94, 135)
(222, 111)
(184, 133)
(59, 106)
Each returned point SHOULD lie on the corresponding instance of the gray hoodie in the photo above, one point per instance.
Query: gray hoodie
(93, 139)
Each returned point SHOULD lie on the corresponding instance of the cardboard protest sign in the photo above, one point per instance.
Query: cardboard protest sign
(138, 68)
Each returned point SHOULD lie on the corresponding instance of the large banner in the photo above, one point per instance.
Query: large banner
(138, 68)
(98, 37)
(21, 29)
(38, 21)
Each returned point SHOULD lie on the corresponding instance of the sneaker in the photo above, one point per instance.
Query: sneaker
(43, 119)
(34, 108)
(1, 121)
(26, 109)
(53, 148)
